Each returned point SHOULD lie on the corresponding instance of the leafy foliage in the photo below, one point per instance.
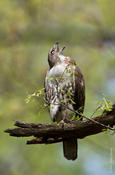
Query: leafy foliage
(105, 104)
(37, 94)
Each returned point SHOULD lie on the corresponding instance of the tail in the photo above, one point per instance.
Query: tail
(70, 149)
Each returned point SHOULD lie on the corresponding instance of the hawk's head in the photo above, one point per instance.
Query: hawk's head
(54, 54)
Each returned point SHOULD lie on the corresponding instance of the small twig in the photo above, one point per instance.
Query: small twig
(76, 112)
(107, 127)
(95, 111)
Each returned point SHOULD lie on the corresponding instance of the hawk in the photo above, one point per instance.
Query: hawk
(64, 93)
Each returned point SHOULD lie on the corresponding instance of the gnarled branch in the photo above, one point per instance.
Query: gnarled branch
(50, 133)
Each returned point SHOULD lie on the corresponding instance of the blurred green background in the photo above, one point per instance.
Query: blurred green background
(28, 28)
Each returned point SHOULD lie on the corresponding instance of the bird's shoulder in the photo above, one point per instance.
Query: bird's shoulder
(69, 61)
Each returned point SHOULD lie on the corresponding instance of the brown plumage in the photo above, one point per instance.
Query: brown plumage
(64, 92)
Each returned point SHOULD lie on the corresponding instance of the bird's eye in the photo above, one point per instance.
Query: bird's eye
(52, 51)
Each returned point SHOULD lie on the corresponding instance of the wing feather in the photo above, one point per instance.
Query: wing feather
(79, 96)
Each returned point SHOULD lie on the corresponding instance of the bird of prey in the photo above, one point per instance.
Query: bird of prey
(64, 93)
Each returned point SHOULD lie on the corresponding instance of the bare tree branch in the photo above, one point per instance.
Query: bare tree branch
(50, 133)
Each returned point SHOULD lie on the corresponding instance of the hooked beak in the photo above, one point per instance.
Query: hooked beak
(61, 51)
(56, 46)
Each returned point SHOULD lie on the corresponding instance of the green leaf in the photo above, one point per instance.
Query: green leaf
(73, 117)
(35, 94)
(54, 123)
(77, 117)
(105, 104)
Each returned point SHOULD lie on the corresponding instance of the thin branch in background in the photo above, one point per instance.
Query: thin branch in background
(107, 127)
(90, 119)
(98, 107)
